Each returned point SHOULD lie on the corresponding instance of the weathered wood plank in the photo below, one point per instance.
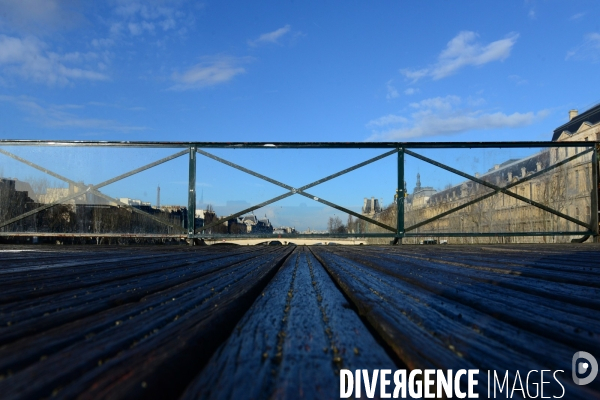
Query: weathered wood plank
(141, 340)
(292, 342)
(429, 329)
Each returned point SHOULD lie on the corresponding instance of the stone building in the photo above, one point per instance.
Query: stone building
(371, 207)
(566, 188)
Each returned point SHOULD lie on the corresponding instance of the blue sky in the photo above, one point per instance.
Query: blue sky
(295, 71)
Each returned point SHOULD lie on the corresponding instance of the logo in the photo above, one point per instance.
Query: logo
(581, 368)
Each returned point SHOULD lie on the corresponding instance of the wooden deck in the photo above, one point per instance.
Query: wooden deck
(281, 321)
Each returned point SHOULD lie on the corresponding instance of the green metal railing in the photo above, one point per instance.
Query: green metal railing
(195, 149)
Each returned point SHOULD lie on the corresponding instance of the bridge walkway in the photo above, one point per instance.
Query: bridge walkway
(281, 321)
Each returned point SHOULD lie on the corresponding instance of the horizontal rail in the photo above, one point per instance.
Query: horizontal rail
(93, 235)
(289, 235)
(297, 145)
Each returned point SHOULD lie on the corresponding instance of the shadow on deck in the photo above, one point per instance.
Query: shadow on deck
(281, 321)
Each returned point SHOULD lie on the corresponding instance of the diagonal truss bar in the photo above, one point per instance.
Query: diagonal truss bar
(345, 171)
(485, 196)
(41, 208)
(247, 210)
(500, 189)
(40, 168)
(77, 184)
(140, 169)
(246, 170)
(299, 191)
(135, 210)
(357, 215)
(88, 189)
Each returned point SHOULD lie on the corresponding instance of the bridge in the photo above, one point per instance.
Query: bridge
(140, 320)
(282, 321)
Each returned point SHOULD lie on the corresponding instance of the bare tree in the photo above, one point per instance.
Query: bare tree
(335, 225)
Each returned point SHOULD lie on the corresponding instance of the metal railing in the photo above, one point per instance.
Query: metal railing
(403, 228)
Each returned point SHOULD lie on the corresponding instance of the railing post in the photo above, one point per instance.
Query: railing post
(191, 217)
(400, 198)
(596, 188)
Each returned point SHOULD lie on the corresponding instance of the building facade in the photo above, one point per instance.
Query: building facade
(567, 189)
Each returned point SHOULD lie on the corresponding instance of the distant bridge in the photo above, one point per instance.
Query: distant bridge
(297, 241)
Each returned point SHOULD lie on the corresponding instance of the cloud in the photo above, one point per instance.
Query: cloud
(392, 93)
(389, 119)
(411, 91)
(270, 37)
(518, 80)
(55, 116)
(139, 28)
(463, 51)
(211, 71)
(28, 59)
(588, 50)
(444, 116)
(576, 16)
(39, 16)
(437, 103)
(137, 18)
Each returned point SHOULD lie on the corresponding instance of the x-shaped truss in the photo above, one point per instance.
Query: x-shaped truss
(497, 189)
(85, 189)
(301, 190)
(94, 189)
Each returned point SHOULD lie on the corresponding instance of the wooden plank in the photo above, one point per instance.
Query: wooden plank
(431, 330)
(292, 342)
(53, 280)
(141, 342)
(24, 318)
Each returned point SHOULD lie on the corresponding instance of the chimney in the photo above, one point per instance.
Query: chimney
(476, 174)
(497, 166)
(573, 114)
(523, 172)
(538, 165)
(510, 176)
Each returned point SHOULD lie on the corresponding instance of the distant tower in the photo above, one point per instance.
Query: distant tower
(158, 197)
(418, 181)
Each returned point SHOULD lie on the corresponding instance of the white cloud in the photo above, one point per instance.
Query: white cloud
(518, 80)
(576, 16)
(55, 116)
(588, 50)
(464, 51)
(444, 116)
(531, 14)
(139, 28)
(39, 16)
(137, 18)
(411, 91)
(28, 59)
(389, 119)
(211, 71)
(392, 93)
(270, 37)
(437, 103)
